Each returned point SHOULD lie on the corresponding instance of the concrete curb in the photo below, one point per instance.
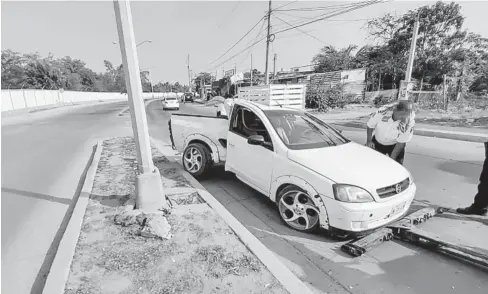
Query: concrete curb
(459, 136)
(61, 266)
(279, 270)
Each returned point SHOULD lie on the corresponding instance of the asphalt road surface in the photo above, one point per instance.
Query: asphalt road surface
(446, 173)
(45, 153)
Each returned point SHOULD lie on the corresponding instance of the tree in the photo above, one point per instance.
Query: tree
(206, 77)
(13, 75)
(331, 59)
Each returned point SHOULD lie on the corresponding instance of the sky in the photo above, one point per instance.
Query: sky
(203, 29)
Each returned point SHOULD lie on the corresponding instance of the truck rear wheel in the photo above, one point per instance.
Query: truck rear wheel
(196, 159)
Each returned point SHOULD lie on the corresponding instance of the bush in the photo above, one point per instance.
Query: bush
(330, 98)
(381, 100)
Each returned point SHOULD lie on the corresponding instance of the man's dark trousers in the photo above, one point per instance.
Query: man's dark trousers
(481, 199)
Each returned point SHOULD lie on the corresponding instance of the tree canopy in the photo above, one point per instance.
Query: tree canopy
(31, 71)
(443, 48)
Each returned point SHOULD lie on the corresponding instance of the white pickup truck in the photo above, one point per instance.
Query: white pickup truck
(316, 176)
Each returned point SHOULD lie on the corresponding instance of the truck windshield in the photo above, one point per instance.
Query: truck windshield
(300, 130)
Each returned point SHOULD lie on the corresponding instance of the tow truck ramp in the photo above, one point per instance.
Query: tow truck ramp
(407, 230)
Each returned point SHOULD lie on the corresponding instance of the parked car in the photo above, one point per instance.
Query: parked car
(315, 175)
(187, 97)
(170, 103)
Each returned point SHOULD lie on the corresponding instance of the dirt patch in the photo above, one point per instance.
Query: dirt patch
(203, 256)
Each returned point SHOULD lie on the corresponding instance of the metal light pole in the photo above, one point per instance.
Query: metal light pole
(149, 187)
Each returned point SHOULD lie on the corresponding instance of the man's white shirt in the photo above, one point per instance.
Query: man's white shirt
(389, 132)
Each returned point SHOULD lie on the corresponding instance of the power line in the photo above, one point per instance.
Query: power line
(312, 18)
(261, 30)
(320, 7)
(284, 5)
(332, 15)
(238, 53)
(327, 13)
(232, 11)
(301, 30)
(238, 41)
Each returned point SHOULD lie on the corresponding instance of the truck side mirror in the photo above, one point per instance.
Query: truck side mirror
(255, 140)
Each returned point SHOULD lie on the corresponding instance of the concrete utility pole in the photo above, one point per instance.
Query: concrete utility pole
(189, 72)
(149, 187)
(201, 87)
(405, 86)
(150, 80)
(251, 71)
(267, 45)
(274, 66)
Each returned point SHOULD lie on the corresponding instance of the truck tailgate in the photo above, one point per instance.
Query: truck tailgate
(187, 127)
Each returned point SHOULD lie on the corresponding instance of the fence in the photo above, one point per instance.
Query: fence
(291, 95)
(19, 99)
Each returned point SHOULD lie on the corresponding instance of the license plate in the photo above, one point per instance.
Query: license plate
(398, 208)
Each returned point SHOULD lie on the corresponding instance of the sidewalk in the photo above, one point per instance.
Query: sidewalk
(357, 119)
(193, 248)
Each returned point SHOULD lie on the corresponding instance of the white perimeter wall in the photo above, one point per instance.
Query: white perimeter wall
(19, 99)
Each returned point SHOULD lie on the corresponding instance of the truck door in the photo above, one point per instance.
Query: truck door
(251, 163)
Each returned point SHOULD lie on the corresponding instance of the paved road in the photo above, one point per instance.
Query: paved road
(43, 156)
(446, 173)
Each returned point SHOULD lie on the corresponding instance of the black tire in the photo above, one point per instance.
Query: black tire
(218, 113)
(288, 191)
(205, 160)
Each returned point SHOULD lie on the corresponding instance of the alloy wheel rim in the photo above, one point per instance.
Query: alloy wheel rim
(192, 160)
(298, 210)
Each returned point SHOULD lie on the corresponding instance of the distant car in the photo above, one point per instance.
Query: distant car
(187, 97)
(170, 103)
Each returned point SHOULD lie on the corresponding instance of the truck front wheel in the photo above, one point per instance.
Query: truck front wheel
(196, 159)
(297, 209)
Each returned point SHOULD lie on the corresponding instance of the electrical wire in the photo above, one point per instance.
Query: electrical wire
(332, 15)
(238, 53)
(232, 11)
(301, 30)
(303, 22)
(305, 9)
(311, 18)
(261, 30)
(283, 5)
(238, 41)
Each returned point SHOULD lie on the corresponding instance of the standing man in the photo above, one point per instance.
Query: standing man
(389, 131)
(480, 204)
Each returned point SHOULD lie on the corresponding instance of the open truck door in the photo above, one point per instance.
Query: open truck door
(250, 151)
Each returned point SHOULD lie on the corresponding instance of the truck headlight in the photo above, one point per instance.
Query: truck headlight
(351, 194)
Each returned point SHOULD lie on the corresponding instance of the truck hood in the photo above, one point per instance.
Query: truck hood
(352, 164)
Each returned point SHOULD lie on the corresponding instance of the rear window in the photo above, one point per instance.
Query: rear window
(170, 99)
